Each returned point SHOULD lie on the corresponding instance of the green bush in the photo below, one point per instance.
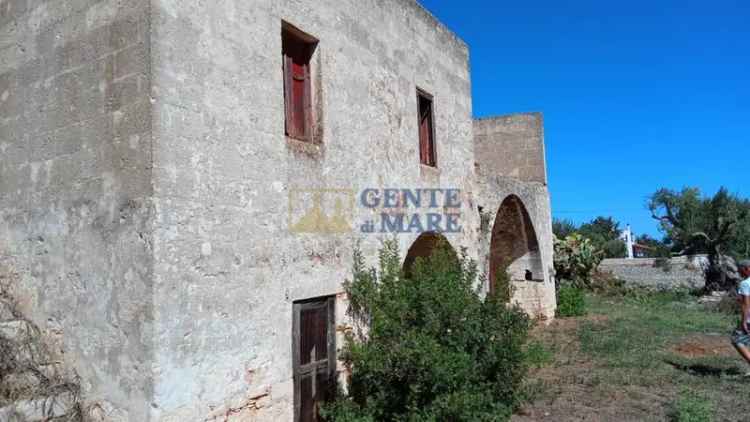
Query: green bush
(503, 288)
(429, 348)
(571, 301)
(538, 355)
(614, 248)
(692, 407)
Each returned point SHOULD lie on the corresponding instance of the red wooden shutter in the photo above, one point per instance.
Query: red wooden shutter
(430, 139)
(424, 140)
(288, 121)
(297, 49)
(307, 104)
(298, 99)
(426, 129)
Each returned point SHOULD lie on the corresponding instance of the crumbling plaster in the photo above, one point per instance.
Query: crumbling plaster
(146, 183)
(75, 186)
(227, 269)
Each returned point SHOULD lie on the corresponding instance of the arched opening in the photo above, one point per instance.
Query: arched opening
(424, 246)
(513, 246)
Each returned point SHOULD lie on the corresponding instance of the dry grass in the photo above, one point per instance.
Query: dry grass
(636, 359)
(28, 370)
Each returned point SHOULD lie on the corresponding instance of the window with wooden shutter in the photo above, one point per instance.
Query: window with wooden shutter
(314, 355)
(427, 155)
(297, 49)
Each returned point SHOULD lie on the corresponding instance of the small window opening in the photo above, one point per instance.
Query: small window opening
(426, 129)
(297, 49)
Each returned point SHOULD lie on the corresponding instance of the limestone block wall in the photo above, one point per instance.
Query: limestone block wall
(534, 296)
(512, 146)
(677, 272)
(75, 186)
(147, 187)
(510, 163)
(227, 268)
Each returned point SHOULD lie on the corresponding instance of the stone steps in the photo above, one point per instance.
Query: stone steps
(39, 409)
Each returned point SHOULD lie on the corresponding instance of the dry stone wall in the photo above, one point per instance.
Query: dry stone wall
(660, 273)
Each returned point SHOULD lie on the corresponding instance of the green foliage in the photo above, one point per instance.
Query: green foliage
(614, 248)
(718, 226)
(503, 288)
(563, 228)
(571, 301)
(655, 248)
(692, 407)
(697, 224)
(604, 233)
(429, 348)
(538, 355)
(576, 259)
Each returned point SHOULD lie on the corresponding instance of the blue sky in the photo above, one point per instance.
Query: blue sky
(636, 95)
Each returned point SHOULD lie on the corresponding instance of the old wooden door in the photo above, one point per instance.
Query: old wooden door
(314, 355)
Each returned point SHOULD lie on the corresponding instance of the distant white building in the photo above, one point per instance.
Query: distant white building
(627, 237)
(633, 248)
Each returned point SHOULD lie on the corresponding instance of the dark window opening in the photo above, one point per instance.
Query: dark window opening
(426, 130)
(297, 49)
(314, 356)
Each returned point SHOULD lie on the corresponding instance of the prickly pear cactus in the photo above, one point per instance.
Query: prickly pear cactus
(576, 259)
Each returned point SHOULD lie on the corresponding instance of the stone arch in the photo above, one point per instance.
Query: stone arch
(514, 245)
(423, 246)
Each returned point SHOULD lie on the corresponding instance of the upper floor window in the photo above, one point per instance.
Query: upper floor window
(427, 154)
(297, 48)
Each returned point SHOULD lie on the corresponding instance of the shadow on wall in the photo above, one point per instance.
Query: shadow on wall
(514, 246)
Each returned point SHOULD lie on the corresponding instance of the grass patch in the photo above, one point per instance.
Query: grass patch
(643, 356)
(640, 326)
(692, 407)
(538, 355)
(571, 302)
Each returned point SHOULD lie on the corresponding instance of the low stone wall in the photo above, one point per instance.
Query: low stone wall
(661, 273)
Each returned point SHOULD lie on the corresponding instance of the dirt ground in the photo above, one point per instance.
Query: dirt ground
(702, 346)
(617, 367)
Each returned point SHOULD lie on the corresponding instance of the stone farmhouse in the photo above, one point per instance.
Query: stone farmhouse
(181, 191)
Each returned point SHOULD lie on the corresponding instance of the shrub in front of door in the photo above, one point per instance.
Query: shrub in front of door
(429, 346)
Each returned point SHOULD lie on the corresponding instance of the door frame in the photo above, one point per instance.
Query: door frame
(299, 370)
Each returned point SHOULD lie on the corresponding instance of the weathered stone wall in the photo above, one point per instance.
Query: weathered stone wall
(75, 184)
(510, 162)
(227, 267)
(535, 297)
(147, 183)
(512, 146)
(677, 272)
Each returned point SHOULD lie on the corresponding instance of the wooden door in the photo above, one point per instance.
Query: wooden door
(314, 355)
